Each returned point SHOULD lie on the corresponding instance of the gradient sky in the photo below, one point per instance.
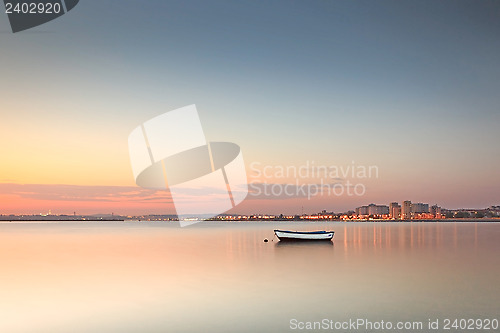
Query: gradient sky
(409, 86)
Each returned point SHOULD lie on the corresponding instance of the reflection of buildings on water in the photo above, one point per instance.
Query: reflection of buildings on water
(390, 236)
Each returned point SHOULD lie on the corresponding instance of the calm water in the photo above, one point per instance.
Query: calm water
(222, 277)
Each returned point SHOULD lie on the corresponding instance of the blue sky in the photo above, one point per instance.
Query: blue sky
(410, 86)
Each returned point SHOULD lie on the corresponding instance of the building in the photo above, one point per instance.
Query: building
(394, 210)
(406, 210)
(378, 209)
(363, 210)
(435, 211)
(418, 207)
(372, 210)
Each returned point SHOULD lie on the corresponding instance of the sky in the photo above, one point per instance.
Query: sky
(410, 87)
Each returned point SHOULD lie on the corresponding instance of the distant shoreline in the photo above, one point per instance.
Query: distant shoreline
(63, 220)
(482, 220)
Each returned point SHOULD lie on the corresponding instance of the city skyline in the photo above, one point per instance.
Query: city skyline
(409, 87)
(371, 209)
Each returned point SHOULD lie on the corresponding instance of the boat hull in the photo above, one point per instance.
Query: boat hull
(290, 236)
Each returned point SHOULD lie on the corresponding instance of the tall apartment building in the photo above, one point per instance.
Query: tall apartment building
(363, 210)
(436, 211)
(418, 207)
(406, 210)
(372, 209)
(378, 209)
(394, 210)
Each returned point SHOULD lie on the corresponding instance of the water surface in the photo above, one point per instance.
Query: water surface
(222, 277)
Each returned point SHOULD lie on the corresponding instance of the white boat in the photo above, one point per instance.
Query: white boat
(285, 235)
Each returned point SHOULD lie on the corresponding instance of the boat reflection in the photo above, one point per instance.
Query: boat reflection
(305, 244)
